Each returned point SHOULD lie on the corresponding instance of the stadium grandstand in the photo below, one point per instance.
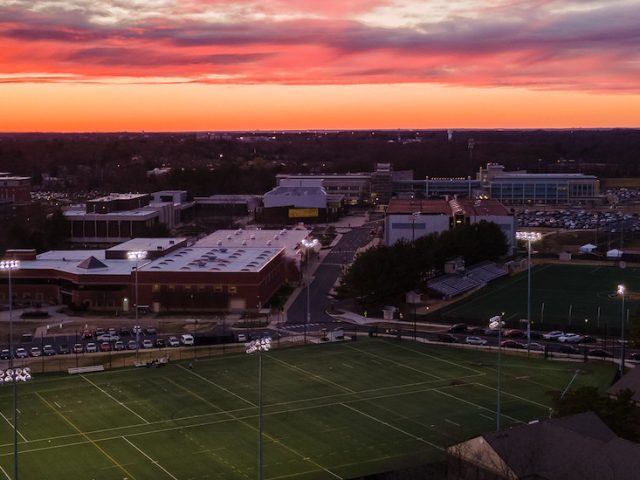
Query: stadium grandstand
(473, 277)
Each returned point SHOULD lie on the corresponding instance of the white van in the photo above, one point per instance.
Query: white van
(186, 339)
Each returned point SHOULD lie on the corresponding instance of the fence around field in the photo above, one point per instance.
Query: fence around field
(158, 357)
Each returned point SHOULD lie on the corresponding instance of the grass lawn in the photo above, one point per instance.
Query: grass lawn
(337, 410)
(570, 295)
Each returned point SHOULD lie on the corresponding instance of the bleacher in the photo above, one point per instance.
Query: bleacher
(453, 284)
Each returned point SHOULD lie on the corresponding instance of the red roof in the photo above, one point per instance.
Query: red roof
(424, 207)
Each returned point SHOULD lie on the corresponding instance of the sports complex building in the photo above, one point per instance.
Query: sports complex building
(217, 274)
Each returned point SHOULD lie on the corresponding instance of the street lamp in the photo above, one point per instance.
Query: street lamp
(137, 256)
(621, 292)
(308, 245)
(260, 345)
(8, 266)
(529, 237)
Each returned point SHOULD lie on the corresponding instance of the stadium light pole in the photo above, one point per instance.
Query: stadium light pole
(260, 345)
(137, 256)
(493, 322)
(9, 266)
(621, 292)
(528, 237)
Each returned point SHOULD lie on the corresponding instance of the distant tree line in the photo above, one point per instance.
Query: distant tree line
(385, 273)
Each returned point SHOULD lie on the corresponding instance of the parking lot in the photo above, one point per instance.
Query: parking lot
(610, 221)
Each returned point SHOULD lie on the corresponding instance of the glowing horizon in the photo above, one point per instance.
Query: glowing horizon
(168, 65)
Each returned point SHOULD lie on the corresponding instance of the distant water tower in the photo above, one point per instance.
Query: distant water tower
(449, 135)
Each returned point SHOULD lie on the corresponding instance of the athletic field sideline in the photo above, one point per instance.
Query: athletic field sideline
(562, 297)
(338, 410)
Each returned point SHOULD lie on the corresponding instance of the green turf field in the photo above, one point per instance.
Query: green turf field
(570, 295)
(330, 411)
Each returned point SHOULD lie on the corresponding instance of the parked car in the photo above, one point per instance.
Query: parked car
(552, 335)
(570, 338)
(78, 348)
(570, 349)
(21, 352)
(108, 337)
(515, 333)
(125, 331)
(150, 331)
(174, 342)
(112, 330)
(91, 347)
(86, 333)
(538, 347)
(491, 332)
(118, 346)
(136, 329)
(146, 343)
(105, 347)
(588, 339)
(471, 340)
(475, 331)
(132, 345)
(63, 349)
(634, 356)
(458, 328)
(26, 337)
(187, 339)
(511, 344)
(98, 331)
(48, 350)
(599, 352)
(447, 338)
(5, 354)
(160, 343)
(35, 351)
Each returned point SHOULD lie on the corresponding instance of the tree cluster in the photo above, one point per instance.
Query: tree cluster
(384, 273)
(619, 413)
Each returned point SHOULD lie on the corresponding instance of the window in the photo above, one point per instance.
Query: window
(217, 288)
(232, 289)
(155, 288)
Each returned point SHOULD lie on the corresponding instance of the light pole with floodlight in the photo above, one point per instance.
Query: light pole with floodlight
(621, 292)
(260, 345)
(499, 323)
(308, 245)
(137, 256)
(528, 237)
(8, 266)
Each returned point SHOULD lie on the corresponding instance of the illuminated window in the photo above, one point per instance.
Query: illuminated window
(232, 289)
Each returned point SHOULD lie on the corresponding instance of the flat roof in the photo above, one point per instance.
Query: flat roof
(287, 239)
(217, 259)
(481, 207)
(119, 196)
(543, 176)
(68, 261)
(146, 211)
(427, 207)
(147, 244)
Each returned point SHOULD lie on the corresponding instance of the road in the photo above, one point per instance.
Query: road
(323, 279)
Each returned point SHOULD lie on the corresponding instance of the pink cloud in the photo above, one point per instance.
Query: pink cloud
(524, 44)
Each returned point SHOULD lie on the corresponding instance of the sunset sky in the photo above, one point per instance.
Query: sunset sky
(98, 65)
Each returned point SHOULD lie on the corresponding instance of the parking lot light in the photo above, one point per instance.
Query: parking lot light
(621, 292)
(137, 256)
(528, 237)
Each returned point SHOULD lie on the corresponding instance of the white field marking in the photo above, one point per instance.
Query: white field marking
(217, 386)
(115, 399)
(227, 412)
(312, 375)
(11, 425)
(346, 365)
(526, 377)
(5, 473)
(17, 410)
(386, 361)
(393, 427)
(474, 404)
(121, 467)
(57, 405)
(476, 372)
(451, 422)
(155, 462)
(486, 416)
(515, 396)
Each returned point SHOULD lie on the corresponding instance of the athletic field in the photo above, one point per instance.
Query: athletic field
(336, 410)
(562, 296)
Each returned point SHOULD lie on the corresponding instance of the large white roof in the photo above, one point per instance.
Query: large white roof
(287, 239)
(216, 259)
